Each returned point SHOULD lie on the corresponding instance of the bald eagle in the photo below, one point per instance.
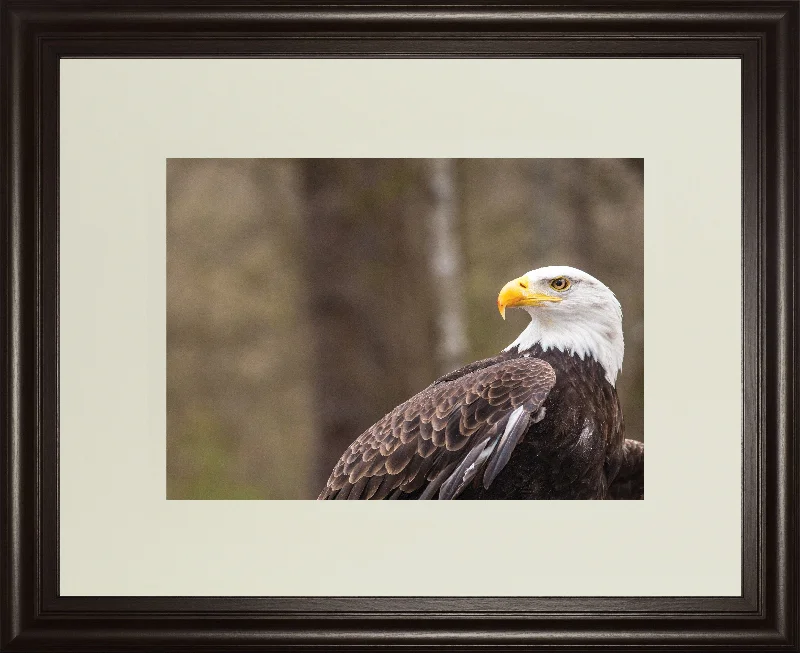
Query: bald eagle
(541, 420)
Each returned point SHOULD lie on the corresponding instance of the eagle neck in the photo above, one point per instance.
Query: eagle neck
(605, 346)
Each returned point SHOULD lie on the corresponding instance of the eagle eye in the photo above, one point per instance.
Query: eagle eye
(560, 284)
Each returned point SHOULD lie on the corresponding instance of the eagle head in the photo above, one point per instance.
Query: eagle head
(571, 311)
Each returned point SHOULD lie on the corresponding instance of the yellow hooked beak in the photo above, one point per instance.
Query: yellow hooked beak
(516, 293)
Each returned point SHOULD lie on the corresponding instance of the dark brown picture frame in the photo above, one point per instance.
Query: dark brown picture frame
(37, 34)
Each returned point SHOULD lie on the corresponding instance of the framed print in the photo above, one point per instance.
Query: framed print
(235, 237)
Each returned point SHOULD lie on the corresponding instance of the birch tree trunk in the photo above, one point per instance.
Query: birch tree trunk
(445, 260)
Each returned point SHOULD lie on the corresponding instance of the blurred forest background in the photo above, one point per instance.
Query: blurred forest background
(306, 298)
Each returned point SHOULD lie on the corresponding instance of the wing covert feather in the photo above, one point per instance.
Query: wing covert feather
(437, 429)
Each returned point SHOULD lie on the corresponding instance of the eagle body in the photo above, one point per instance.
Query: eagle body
(575, 450)
(540, 420)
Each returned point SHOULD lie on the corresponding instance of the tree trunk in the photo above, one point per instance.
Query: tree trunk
(368, 292)
(445, 260)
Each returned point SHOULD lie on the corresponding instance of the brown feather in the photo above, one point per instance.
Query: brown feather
(400, 457)
(372, 486)
(438, 428)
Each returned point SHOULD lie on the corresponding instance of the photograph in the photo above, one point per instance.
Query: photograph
(405, 329)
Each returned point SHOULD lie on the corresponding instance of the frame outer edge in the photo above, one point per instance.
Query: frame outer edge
(785, 188)
(778, 209)
(17, 521)
(21, 359)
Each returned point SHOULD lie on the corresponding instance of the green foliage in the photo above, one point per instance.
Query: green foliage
(206, 463)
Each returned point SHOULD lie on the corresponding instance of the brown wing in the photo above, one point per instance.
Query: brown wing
(447, 435)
